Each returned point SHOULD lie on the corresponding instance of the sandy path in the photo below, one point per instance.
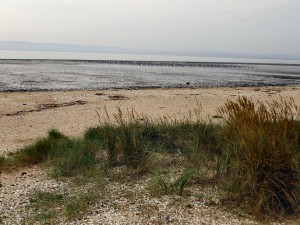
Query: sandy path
(26, 116)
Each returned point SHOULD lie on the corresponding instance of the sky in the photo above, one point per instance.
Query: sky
(239, 26)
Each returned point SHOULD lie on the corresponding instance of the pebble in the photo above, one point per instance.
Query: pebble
(139, 208)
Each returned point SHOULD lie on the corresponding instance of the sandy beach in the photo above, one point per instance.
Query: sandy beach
(26, 116)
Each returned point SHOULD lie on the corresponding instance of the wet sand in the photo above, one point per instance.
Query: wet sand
(26, 116)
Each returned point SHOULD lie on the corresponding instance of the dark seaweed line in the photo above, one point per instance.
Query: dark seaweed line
(46, 106)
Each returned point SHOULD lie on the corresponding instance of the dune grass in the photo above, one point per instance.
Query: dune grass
(65, 156)
(262, 152)
(254, 150)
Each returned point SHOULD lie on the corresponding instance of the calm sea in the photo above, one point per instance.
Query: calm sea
(73, 71)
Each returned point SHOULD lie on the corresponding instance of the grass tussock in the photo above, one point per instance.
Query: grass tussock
(79, 157)
(130, 139)
(40, 151)
(163, 184)
(262, 152)
(65, 156)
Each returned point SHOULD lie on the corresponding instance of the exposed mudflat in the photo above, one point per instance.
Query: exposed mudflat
(37, 75)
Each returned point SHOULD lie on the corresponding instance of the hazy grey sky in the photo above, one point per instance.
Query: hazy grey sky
(253, 26)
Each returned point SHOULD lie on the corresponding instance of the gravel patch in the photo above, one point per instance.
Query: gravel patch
(123, 203)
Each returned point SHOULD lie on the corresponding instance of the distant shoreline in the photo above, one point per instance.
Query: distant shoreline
(25, 46)
(142, 56)
(155, 63)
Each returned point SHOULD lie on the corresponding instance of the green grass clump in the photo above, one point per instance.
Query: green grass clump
(207, 138)
(169, 135)
(130, 138)
(42, 149)
(41, 197)
(162, 184)
(262, 152)
(65, 156)
(77, 205)
(123, 141)
(78, 157)
(45, 204)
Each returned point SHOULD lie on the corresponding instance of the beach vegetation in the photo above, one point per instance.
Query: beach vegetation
(41, 150)
(164, 184)
(252, 153)
(262, 152)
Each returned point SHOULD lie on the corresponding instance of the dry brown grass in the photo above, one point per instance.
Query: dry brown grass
(262, 152)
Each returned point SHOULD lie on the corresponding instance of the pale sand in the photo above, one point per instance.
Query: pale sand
(32, 122)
